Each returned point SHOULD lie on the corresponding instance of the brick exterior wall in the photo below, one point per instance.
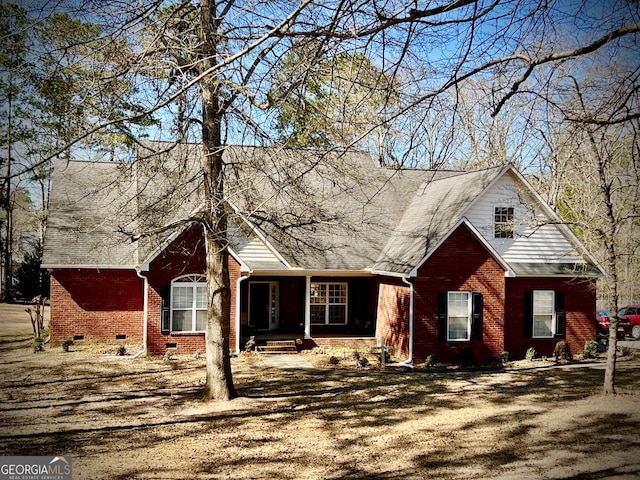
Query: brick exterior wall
(96, 305)
(580, 306)
(185, 256)
(460, 264)
(393, 316)
(463, 264)
(100, 304)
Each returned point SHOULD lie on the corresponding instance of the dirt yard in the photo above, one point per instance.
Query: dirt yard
(143, 418)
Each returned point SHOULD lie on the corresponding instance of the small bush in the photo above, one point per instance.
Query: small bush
(531, 354)
(362, 362)
(503, 358)
(38, 345)
(562, 351)
(627, 351)
(431, 360)
(122, 350)
(590, 349)
(333, 360)
(66, 344)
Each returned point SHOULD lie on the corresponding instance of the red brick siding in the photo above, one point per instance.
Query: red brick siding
(392, 322)
(96, 304)
(580, 305)
(100, 304)
(186, 255)
(460, 264)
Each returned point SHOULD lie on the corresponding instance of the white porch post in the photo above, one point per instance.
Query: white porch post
(307, 308)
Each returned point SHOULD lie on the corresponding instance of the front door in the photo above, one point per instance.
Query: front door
(263, 305)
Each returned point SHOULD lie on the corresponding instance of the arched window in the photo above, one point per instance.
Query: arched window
(189, 304)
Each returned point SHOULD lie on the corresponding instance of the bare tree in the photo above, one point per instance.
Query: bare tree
(229, 53)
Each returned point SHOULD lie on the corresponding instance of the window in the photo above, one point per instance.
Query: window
(503, 222)
(460, 316)
(189, 304)
(328, 303)
(544, 313)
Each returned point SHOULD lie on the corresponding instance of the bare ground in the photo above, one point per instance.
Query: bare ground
(143, 418)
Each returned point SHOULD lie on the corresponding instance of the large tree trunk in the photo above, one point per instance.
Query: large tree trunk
(219, 384)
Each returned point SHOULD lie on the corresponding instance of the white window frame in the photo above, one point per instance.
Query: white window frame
(468, 315)
(194, 282)
(540, 311)
(506, 226)
(327, 303)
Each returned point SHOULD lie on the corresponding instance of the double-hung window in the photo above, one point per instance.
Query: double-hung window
(328, 303)
(545, 316)
(189, 304)
(543, 313)
(460, 316)
(503, 222)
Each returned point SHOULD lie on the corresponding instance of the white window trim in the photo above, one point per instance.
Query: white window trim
(553, 314)
(511, 226)
(327, 304)
(193, 281)
(469, 314)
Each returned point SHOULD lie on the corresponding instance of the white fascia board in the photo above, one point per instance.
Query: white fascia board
(144, 266)
(564, 229)
(495, 180)
(259, 234)
(301, 272)
(496, 256)
(61, 266)
(243, 266)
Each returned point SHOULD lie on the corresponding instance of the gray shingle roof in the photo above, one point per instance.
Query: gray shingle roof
(287, 208)
(87, 204)
(435, 208)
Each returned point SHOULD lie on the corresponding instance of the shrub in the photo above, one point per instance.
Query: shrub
(431, 360)
(66, 344)
(38, 345)
(333, 360)
(531, 353)
(362, 362)
(627, 351)
(562, 351)
(503, 358)
(590, 349)
(122, 350)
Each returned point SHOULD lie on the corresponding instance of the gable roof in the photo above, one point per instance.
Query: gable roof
(289, 210)
(436, 208)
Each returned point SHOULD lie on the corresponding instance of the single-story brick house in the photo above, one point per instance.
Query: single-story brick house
(328, 248)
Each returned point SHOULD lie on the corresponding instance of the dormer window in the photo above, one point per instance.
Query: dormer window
(503, 222)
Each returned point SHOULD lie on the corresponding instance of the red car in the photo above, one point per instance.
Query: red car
(602, 328)
(631, 313)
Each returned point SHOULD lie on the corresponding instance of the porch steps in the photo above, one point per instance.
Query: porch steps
(278, 346)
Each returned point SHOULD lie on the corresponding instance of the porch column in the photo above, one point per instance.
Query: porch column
(307, 308)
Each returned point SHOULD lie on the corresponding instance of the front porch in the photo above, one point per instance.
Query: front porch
(267, 339)
(310, 310)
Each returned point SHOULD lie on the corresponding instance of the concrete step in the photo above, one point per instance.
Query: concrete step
(278, 346)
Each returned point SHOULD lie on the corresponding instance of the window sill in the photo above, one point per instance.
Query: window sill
(185, 334)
